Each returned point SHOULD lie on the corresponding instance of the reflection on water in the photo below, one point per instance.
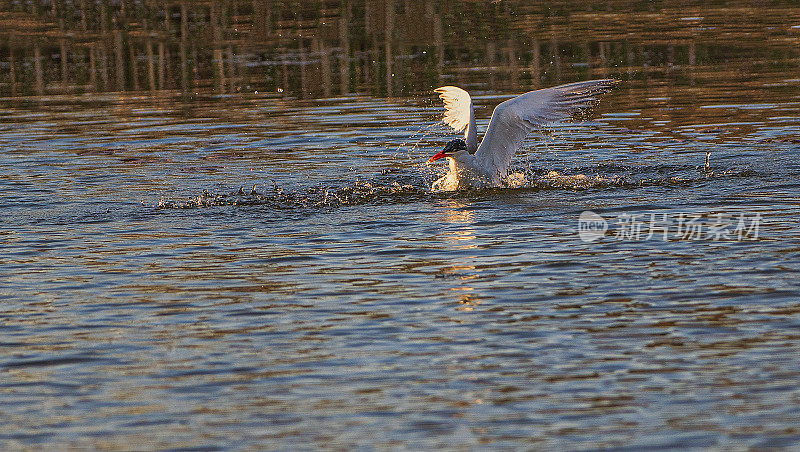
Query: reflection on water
(187, 271)
(319, 49)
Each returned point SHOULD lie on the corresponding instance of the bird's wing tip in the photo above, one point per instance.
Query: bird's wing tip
(606, 81)
(444, 89)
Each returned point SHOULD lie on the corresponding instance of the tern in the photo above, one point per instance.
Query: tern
(486, 165)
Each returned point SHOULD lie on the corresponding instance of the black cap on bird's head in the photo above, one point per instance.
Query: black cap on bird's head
(450, 148)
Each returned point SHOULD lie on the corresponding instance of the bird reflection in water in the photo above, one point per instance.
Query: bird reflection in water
(461, 235)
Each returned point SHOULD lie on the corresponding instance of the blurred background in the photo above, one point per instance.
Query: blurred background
(314, 49)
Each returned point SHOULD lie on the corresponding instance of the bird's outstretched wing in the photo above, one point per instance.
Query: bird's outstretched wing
(459, 114)
(513, 119)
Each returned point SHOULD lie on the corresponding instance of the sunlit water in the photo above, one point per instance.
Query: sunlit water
(228, 272)
(234, 272)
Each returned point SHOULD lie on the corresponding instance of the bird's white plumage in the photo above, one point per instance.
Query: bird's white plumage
(511, 122)
(459, 114)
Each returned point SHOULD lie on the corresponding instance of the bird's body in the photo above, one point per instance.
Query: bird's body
(464, 172)
(486, 165)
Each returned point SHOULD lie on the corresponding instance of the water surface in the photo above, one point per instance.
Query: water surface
(257, 270)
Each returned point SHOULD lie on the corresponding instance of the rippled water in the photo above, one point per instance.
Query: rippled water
(247, 271)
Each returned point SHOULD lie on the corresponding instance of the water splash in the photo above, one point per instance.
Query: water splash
(357, 193)
(397, 185)
(422, 134)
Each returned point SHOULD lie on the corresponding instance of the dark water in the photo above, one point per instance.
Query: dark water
(227, 270)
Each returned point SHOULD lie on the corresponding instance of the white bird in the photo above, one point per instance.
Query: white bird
(473, 166)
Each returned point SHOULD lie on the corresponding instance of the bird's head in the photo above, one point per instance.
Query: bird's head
(450, 149)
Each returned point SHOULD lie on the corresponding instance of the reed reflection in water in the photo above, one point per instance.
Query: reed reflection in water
(325, 48)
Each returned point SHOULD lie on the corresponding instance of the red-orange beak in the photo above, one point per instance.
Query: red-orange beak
(437, 156)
